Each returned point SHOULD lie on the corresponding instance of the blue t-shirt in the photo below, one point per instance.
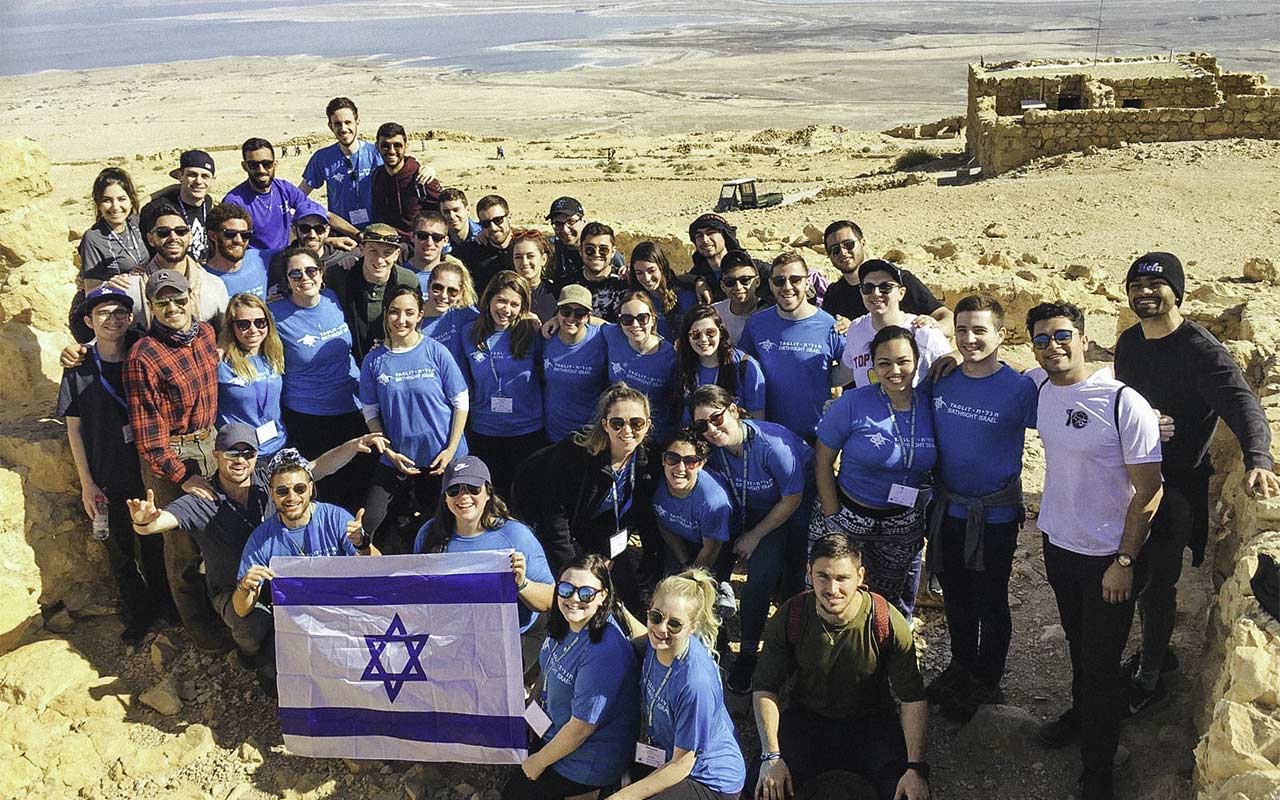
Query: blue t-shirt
(689, 713)
(251, 278)
(776, 463)
(573, 376)
(980, 426)
(325, 534)
(320, 375)
(705, 514)
(414, 390)
(424, 279)
(598, 684)
(872, 456)
(447, 330)
(670, 322)
(501, 381)
(331, 168)
(796, 357)
(271, 212)
(511, 535)
(654, 375)
(750, 394)
(254, 402)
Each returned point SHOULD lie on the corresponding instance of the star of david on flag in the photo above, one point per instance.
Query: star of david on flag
(412, 658)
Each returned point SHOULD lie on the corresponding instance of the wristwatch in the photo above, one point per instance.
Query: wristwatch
(921, 768)
(1124, 559)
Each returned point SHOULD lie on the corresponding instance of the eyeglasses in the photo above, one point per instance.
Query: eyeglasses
(494, 222)
(459, 488)
(234, 234)
(671, 458)
(885, 288)
(264, 164)
(1041, 340)
(849, 246)
(628, 320)
(700, 425)
(447, 291)
(244, 454)
(296, 274)
(741, 280)
(177, 300)
(568, 312)
(300, 489)
(243, 325)
(656, 618)
(585, 594)
(422, 236)
(782, 280)
(698, 334)
(601, 250)
(636, 424)
(566, 222)
(305, 229)
(165, 233)
(117, 314)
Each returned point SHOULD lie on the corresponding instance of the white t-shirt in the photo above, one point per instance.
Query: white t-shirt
(930, 340)
(734, 323)
(1086, 487)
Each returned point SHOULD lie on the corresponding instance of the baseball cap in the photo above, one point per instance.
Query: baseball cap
(193, 158)
(573, 293)
(310, 208)
(166, 279)
(879, 265)
(104, 294)
(235, 433)
(380, 232)
(466, 471)
(568, 206)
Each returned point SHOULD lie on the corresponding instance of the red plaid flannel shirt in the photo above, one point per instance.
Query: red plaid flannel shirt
(171, 391)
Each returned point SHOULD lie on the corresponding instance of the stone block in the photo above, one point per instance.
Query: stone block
(24, 173)
(20, 578)
(36, 674)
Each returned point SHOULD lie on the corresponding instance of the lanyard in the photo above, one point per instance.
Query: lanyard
(493, 366)
(739, 494)
(909, 452)
(125, 243)
(106, 384)
(555, 664)
(261, 390)
(630, 475)
(648, 716)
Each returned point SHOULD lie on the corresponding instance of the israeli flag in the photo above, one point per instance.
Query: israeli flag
(411, 658)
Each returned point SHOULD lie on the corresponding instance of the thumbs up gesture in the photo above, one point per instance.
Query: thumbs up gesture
(356, 533)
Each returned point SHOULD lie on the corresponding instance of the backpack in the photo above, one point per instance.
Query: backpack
(794, 609)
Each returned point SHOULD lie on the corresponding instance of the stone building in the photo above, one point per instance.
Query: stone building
(1020, 110)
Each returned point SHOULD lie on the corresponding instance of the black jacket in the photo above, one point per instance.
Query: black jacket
(352, 290)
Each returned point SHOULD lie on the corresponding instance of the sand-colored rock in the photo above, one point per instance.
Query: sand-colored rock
(36, 674)
(24, 173)
(20, 582)
(163, 697)
(1241, 739)
(1261, 269)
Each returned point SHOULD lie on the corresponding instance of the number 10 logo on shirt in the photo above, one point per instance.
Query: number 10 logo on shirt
(1076, 418)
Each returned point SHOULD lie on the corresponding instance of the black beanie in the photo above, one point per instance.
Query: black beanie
(716, 223)
(1164, 266)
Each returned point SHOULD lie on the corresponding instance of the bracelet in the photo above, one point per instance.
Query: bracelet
(524, 584)
(774, 756)
(921, 768)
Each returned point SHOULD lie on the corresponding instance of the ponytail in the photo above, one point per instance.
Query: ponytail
(699, 588)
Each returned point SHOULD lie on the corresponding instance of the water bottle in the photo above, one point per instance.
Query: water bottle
(101, 528)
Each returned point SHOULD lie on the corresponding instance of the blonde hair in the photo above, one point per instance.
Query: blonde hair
(271, 350)
(467, 297)
(594, 439)
(697, 587)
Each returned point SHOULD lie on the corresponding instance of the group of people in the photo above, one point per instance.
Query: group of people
(452, 384)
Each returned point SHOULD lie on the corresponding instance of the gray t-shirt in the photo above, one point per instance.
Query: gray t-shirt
(221, 528)
(105, 253)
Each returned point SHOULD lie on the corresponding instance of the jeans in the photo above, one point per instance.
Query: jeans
(137, 564)
(314, 435)
(503, 454)
(872, 747)
(977, 603)
(775, 571)
(1155, 581)
(394, 494)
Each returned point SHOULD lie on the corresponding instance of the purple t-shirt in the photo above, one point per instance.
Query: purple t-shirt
(271, 212)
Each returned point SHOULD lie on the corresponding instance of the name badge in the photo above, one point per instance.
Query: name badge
(649, 755)
(127, 430)
(537, 718)
(267, 431)
(501, 405)
(359, 216)
(617, 544)
(903, 495)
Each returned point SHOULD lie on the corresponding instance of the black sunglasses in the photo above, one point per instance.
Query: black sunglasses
(628, 320)
(300, 489)
(671, 459)
(244, 454)
(573, 313)
(459, 488)
(741, 280)
(700, 425)
(296, 274)
(1041, 341)
(782, 280)
(230, 234)
(494, 222)
(884, 288)
(243, 325)
(448, 291)
(585, 594)
(164, 233)
(656, 618)
(304, 228)
(422, 236)
(636, 424)
(266, 163)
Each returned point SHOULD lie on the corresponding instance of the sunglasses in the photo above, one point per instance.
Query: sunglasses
(117, 314)
(230, 234)
(243, 325)
(656, 618)
(597, 250)
(296, 274)
(245, 454)
(494, 222)
(636, 424)
(164, 302)
(374, 238)
(448, 291)
(700, 425)
(671, 459)
(741, 280)
(266, 163)
(573, 313)
(848, 245)
(885, 288)
(165, 233)
(300, 489)
(782, 280)
(585, 594)
(422, 236)
(459, 488)
(628, 320)
(1041, 341)
(704, 333)
(305, 229)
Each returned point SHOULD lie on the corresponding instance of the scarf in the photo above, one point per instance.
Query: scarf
(174, 338)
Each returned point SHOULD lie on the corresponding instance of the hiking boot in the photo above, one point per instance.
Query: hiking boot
(135, 632)
(1060, 732)
(943, 687)
(1140, 699)
(739, 680)
(1129, 668)
(964, 704)
(1095, 785)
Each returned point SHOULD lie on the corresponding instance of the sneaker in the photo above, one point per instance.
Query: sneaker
(739, 680)
(946, 684)
(930, 593)
(1140, 699)
(965, 704)
(1060, 732)
(1129, 668)
(726, 601)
